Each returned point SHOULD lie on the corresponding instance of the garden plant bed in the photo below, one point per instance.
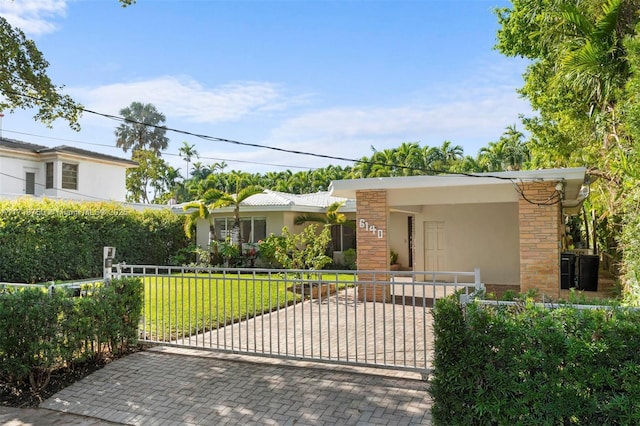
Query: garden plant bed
(22, 396)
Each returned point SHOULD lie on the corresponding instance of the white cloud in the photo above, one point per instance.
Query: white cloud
(471, 123)
(187, 99)
(34, 17)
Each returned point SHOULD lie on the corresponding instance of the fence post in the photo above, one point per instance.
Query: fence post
(479, 285)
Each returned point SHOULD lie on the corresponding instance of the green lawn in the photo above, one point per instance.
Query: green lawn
(181, 305)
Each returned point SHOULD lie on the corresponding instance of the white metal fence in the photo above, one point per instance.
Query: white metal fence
(383, 320)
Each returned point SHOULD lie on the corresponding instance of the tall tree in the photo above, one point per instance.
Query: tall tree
(577, 82)
(187, 152)
(24, 82)
(151, 180)
(142, 129)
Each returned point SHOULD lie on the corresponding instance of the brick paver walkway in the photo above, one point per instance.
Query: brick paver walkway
(169, 386)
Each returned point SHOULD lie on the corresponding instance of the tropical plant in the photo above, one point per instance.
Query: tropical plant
(202, 209)
(332, 216)
(187, 152)
(235, 200)
(142, 129)
(580, 84)
(153, 179)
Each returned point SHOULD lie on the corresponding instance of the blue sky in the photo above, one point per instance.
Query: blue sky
(327, 77)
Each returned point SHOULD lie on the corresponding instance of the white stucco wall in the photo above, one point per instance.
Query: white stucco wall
(96, 180)
(12, 180)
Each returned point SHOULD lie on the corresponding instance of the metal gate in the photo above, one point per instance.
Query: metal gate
(324, 316)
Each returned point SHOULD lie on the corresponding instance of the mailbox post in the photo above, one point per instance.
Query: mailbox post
(108, 253)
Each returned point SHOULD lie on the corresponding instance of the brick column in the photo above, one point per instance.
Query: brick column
(540, 237)
(373, 249)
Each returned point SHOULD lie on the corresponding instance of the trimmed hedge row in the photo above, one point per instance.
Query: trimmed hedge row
(42, 331)
(530, 365)
(44, 240)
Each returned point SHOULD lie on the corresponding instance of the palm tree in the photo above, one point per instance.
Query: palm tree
(235, 200)
(430, 159)
(203, 210)
(187, 151)
(142, 129)
(515, 150)
(332, 217)
(491, 157)
(450, 154)
(409, 155)
(595, 65)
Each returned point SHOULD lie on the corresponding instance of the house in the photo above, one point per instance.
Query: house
(511, 225)
(60, 172)
(268, 212)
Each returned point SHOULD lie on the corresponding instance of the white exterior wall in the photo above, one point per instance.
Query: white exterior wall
(12, 179)
(96, 180)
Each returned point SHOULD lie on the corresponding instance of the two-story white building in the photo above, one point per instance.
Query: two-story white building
(60, 172)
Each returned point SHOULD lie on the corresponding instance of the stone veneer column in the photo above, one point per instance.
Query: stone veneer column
(540, 236)
(373, 250)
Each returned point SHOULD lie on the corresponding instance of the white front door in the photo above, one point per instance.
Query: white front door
(434, 247)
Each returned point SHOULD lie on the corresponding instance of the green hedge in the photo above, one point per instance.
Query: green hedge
(44, 240)
(530, 365)
(43, 331)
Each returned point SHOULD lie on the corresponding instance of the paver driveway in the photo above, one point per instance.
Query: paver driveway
(167, 386)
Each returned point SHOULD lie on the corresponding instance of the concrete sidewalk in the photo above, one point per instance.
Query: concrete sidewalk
(172, 386)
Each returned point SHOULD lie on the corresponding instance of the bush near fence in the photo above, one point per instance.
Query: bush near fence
(42, 332)
(44, 240)
(529, 365)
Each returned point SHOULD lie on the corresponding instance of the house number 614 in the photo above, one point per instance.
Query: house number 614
(371, 228)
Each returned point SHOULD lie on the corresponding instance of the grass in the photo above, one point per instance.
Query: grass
(181, 305)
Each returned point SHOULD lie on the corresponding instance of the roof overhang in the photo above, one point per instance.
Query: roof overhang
(471, 188)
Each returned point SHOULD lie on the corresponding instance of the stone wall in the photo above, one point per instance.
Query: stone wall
(373, 247)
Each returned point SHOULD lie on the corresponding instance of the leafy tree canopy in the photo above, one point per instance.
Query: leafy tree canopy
(24, 83)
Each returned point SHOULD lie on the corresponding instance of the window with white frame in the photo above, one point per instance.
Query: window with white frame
(252, 229)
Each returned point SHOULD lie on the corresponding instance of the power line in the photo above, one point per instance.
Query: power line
(550, 201)
(273, 148)
(171, 154)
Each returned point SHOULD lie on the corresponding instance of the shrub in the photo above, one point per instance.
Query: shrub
(42, 331)
(350, 257)
(530, 365)
(305, 250)
(45, 240)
